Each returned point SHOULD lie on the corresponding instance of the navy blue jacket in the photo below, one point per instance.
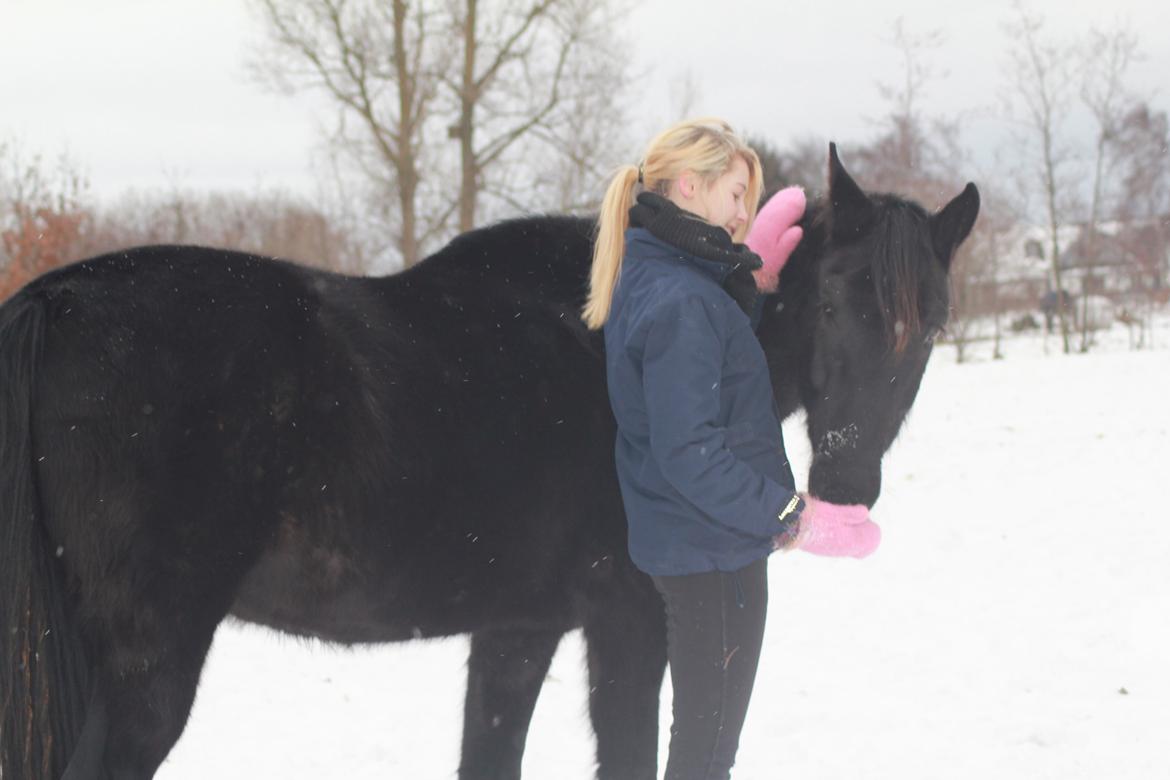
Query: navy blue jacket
(700, 455)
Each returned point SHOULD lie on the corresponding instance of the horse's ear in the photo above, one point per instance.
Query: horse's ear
(850, 209)
(953, 222)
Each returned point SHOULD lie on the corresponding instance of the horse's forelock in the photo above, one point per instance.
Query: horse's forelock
(899, 239)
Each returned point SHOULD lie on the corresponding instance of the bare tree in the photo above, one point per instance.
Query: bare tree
(903, 157)
(547, 122)
(483, 67)
(581, 145)
(919, 155)
(1040, 82)
(977, 273)
(380, 63)
(914, 153)
(45, 214)
(685, 94)
(1143, 165)
(512, 82)
(1106, 58)
(268, 223)
(28, 181)
(802, 163)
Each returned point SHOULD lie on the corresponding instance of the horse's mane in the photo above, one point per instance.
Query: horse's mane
(552, 235)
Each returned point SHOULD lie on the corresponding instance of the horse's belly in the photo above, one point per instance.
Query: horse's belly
(328, 595)
(288, 599)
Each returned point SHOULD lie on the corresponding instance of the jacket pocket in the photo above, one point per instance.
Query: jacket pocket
(757, 443)
(739, 433)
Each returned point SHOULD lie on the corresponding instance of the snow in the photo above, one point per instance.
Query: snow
(1015, 622)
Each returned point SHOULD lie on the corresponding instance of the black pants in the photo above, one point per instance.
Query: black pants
(715, 627)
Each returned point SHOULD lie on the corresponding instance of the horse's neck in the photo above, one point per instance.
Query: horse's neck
(798, 279)
(786, 329)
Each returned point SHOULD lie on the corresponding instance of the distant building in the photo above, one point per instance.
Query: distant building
(1012, 273)
(1121, 262)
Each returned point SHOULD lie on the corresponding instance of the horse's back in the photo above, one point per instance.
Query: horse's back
(159, 341)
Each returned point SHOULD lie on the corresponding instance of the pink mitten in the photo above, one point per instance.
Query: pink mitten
(775, 234)
(837, 530)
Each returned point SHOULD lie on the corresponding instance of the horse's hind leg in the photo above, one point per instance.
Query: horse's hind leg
(505, 671)
(148, 660)
(150, 622)
(88, 759)
(148, 686)
(625, 632)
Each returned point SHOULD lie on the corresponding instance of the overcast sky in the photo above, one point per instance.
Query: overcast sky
(153, 94)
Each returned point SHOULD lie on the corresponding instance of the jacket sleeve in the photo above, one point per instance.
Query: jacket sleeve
(682, 365)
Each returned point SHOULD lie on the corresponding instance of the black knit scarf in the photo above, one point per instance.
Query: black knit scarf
(696, 236)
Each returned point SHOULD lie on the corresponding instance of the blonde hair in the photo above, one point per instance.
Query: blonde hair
(708, 147)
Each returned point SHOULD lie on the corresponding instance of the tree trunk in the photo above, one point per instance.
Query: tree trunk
(404, 160)
(1090, 243)
(468, 185)
(996, 350)
(1053, 227)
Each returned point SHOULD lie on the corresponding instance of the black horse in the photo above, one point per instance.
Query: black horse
(190, 433)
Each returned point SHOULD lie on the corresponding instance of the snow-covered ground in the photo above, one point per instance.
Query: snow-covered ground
(1014, 624)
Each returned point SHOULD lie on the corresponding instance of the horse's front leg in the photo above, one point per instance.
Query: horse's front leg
(504, 674)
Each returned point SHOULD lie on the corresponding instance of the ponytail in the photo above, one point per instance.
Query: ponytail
(610, 245)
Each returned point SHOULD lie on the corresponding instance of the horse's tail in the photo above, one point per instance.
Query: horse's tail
(44, 676)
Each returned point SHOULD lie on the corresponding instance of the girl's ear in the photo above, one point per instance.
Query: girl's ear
(687, 184)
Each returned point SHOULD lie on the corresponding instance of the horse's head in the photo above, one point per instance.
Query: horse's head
(875, 295)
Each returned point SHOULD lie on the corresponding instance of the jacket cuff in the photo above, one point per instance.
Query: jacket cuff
(789, 519)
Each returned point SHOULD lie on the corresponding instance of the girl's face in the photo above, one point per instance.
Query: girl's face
(722, 202)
